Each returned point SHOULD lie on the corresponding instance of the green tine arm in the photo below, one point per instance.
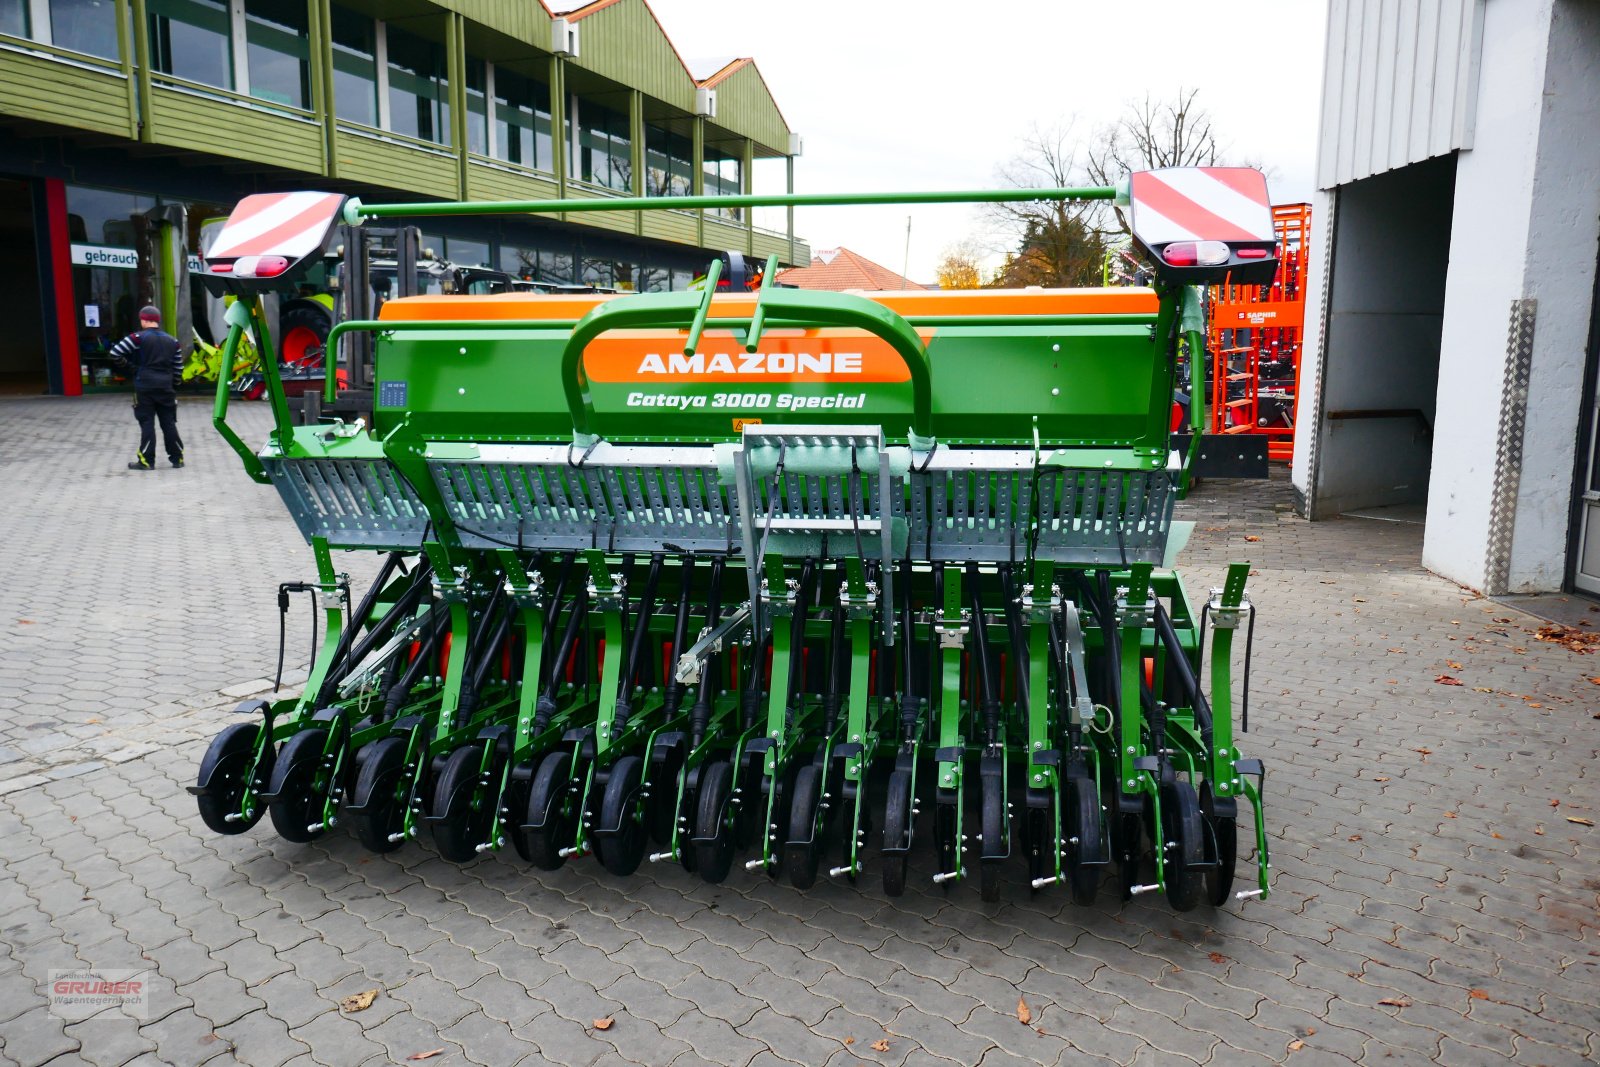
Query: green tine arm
(698, 326)
(758, 321)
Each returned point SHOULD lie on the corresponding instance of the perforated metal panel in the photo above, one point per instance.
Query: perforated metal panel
(620, 498)
(983, 504)
(353, 503)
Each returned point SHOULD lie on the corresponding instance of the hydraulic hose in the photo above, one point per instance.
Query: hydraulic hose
(838, 667)
(482, 647)
(700, 714)
(1186, 678)
(673, 691)
(988, 699)
(401, 690)
(551, 610)
(1018, 637)
(546, 705)
(797, 640)
(341, 660)
(636, 642)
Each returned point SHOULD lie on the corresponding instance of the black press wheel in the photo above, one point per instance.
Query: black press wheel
(1181, 827)
(464, 811)
(380, 794)
(1083, 817)
(551, 819)
(621, 849)
(300, 787)
(1219, 879)
(224, 769)
(896, 826)
(664, 780)
(803, 850)
(992, 795)
(714, 822)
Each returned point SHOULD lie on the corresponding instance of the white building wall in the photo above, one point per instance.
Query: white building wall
(1399, 84)
(1525, 227)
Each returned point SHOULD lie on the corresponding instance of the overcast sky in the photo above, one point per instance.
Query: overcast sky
(934, 94)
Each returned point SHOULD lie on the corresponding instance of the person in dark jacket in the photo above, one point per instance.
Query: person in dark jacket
(151, 357)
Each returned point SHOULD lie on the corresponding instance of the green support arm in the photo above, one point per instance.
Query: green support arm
(238, 320)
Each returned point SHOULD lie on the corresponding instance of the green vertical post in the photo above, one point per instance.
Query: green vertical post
(125, 47)
(747, 167)
(789, 188)
(141, 63)
(636, 152)
(558, 126)
(949, 627)
(456, 71)
(697, 176)
(1224, 621)
(283, 431)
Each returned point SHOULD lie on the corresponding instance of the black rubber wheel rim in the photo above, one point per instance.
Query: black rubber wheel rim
(992, 799)
(1180, 825)
(300, 783)
(467, 812)
(714, 823)
(550, 815)
(1219, 880)
(803, 851)
(622, 851)
(1083, 808)
(379, 775)
(1129, 840)
(226, 766)
(1036, 828)
(896, 822)
(660, 817)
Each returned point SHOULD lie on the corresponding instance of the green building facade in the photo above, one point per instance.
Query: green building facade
(125, 120)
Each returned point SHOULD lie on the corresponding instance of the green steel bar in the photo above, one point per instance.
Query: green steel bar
(758, 321)
(697, 327)
(355, 210)
(238, 318)
(283, 430)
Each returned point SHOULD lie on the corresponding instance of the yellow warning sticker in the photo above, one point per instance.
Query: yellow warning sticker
(739, 424)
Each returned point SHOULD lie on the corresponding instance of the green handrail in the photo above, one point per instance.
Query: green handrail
(238, 319)
(668, 310)
(355, 210)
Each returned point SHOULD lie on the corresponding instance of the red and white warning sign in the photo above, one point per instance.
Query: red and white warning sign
(292, 225)
(1200, 204)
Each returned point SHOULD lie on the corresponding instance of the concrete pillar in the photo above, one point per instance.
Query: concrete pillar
(1517, 302)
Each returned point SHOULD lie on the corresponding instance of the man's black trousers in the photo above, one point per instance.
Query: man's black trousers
(149, 406)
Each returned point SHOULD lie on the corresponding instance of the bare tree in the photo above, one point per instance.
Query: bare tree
(1150, 136)
(1056, 242)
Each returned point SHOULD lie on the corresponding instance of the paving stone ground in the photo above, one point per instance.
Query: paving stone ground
(1420, 835)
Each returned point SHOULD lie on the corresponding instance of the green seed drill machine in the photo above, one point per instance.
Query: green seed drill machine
(806, 580)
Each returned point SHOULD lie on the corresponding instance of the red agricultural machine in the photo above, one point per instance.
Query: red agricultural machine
(1254, 340)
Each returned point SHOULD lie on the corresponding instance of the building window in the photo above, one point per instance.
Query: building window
(278, 51)
(190, 39)
(669, 168)
(477, 108)
(722, 178)
(462, 252)
(605, 151)
(522, 120)
(355, 68)
(14, 17)
(85, 26)
(419, 102)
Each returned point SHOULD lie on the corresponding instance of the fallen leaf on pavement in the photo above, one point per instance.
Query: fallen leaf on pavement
(1426, 752)
(358, 1001)
(1450, 815)
(1496, 836)
(1296, 1045)
(1580, 822)
(1024, 1016)
(430, 1054)
(1477, 994)
(1252, 537)
(604, 1024)
(1445, 679)
(1596, 681)
(849, 1040)
(24, 622)
(1396, 1002)
(1398, 651)
(1482, 689)
(1452, 664)
(1381, 778)
(1539, 830)
(1555, 802)
(1218, 958)
(880, 1045)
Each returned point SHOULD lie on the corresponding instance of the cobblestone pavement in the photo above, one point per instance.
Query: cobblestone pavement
(1433, 901)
